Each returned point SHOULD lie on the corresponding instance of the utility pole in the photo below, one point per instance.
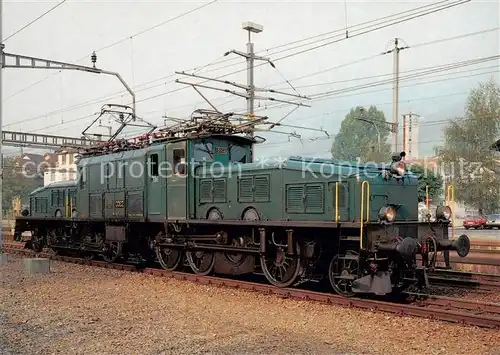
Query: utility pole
(410, 134)
(250, 88)
(404, 134)
(250, 56)
(395, 108)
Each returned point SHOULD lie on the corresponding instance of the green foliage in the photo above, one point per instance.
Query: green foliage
(427, 177)
(467, 156)
(358, 138)
(15, 182)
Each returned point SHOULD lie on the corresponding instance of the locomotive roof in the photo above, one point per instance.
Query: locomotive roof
(297, 163)
(342, 163)
(56, 184)
(140, 150)
(322, 166)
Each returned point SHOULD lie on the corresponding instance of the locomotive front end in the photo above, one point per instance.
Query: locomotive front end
(396, 248)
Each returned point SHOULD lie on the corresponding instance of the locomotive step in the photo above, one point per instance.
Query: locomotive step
(346, 277)
(349, 257)
(349, 239)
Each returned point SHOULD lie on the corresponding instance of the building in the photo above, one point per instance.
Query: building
(64, 168)
(411, 135)
(35, 165)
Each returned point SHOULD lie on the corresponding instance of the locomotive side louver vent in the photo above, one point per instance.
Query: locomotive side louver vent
(213, 190)
(219, 190)
(253, 188)
(206, 190)
(314, 199)
(305, 198)
(246, 189)
(261, 188)
(295, 198)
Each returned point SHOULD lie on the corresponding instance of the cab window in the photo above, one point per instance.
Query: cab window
(203, 152)
(237, 154)
(179, 162)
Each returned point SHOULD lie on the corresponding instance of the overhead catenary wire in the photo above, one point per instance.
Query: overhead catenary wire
(449, 64)
(110, 96)
(328, 98)
(455, 3)
(35, 20)
(112, 44)
(328, 35)
(333, 97)
(331, 138)
(404, 78)
(337, 94)
(178, 89)
(429, 71)
(381, 26)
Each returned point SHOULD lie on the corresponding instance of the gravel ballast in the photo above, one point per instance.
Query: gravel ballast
(86, 310)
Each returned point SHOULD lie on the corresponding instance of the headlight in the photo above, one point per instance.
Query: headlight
(387, 213)
(443, 212)
(398, 168)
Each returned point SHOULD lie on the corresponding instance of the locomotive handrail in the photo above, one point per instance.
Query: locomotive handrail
(68, 206)
(362, 221)
(450, 201)
(337, 202)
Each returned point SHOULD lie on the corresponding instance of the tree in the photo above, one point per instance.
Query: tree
(16, 182)
(427, 177)
(467, 156)
(358, 138)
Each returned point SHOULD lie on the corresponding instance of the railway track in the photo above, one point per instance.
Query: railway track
(427, 306)
(470, 280)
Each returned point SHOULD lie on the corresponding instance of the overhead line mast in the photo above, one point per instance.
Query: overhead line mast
(395, 107)
(249, 87)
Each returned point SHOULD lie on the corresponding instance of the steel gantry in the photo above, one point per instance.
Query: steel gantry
(34, 140)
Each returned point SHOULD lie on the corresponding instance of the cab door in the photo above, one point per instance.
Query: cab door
(155, 180)
(71, 203)
(177, 181)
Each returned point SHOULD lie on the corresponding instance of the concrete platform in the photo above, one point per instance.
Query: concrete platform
(3, 258)
(37, 265)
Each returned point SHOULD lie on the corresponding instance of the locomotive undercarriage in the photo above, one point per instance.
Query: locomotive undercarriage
(286, 256)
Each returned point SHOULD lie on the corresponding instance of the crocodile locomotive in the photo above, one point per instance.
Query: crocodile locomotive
(194, 196)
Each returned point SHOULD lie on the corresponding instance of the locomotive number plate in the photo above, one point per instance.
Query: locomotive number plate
(220, 150)
(119, 204)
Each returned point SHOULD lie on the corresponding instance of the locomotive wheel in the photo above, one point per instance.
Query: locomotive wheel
(343, 268)
(112, 252)
(201, 262)
(236, 259)
(37, 242)
(168, 258)
(280, 269)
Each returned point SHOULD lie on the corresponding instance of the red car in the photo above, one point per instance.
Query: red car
(476, 222)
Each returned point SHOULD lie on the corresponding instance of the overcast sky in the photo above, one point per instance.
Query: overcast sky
(147, 61)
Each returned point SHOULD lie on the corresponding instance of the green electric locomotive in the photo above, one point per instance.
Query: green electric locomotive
(196, 197)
